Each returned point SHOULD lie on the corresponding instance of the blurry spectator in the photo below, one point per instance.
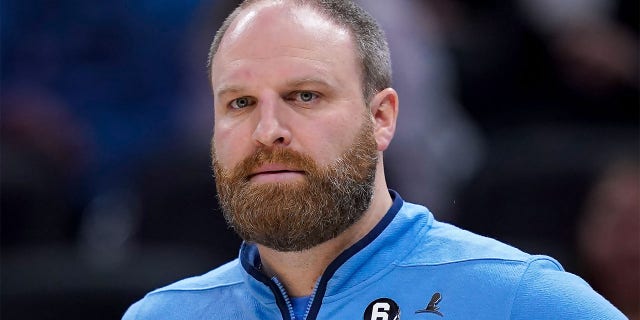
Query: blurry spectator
(522, 63)
(89, 89)
(45, 152)
(595, 51)
(609, 236)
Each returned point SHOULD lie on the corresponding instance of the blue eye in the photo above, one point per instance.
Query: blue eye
(240, 103)
(303, 96)
(306, 96)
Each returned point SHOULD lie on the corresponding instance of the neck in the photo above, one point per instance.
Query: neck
(299, 271)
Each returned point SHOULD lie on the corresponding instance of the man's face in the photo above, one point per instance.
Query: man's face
(293, 146)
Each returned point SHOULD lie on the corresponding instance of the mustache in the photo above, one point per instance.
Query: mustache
(294, 159)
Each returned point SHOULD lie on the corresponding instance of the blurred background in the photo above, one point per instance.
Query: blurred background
(518, 120)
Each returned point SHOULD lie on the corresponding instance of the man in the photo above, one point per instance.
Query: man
(303, 111)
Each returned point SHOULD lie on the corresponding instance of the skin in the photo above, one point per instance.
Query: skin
(296, 77)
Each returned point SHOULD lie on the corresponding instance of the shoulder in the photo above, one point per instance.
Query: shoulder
(459, 255)
(536, 286)
(188, 294)
(226, 275)
(547, 292)
(443, 243)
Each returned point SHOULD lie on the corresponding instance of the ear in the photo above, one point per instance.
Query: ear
(384, 110)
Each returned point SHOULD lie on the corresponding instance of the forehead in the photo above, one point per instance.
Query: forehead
(267, 33)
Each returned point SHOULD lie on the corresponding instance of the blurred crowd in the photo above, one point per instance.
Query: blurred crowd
(518, 120)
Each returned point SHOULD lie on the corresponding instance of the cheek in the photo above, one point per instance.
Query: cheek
(327, 140)
(226, 144)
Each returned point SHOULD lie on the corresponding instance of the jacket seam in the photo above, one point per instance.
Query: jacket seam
(416, 265)
(163, 290)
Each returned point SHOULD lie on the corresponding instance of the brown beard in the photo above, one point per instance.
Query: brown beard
(299, 215)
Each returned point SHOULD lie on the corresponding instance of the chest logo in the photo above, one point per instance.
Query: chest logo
(382, 309)
(432, 306)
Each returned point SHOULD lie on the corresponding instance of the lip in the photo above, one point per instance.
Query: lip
(275, 172)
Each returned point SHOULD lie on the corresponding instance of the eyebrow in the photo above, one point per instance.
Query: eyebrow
(307, 81)
(228, 89)
(294, 83)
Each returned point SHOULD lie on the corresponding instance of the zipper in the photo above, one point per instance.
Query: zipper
(282, 299)
(289, 306)
(283, 294)
(311, 298)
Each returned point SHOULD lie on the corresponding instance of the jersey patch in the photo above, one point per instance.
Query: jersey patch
(382, 309)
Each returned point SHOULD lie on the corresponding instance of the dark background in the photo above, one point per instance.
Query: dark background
(106, 184)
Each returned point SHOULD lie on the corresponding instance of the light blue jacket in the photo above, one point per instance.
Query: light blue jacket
(408, 267)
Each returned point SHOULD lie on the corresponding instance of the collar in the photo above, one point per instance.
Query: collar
(365, 261)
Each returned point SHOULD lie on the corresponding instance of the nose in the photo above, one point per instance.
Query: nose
(271, 128)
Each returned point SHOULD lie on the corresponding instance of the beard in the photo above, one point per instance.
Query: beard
(298, 215)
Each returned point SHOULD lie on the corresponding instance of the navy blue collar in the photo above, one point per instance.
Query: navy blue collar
(250, 260)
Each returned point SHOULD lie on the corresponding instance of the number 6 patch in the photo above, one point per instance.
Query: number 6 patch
(382, 309)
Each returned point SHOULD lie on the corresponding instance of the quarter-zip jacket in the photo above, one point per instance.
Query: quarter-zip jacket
(409, 265)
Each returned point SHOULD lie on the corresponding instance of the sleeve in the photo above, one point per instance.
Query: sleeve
(546, 291)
